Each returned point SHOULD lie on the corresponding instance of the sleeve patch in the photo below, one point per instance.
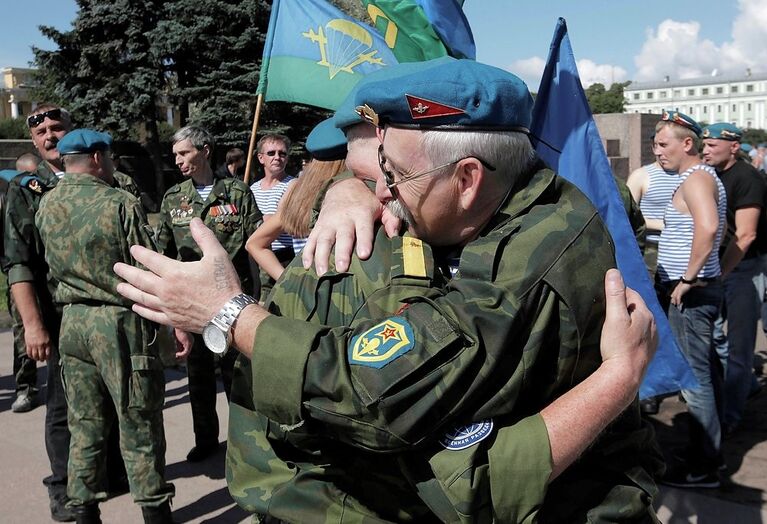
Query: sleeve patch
(381, 344)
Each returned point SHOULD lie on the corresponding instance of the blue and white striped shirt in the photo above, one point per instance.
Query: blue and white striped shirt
(660, 187)
(676, 238)
(268, 200)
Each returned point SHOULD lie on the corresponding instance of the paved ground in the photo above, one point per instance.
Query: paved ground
(201, 488)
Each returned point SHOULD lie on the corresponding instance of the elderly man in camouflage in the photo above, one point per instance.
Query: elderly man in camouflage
(446, 371)
(108, 352)
(228, 207)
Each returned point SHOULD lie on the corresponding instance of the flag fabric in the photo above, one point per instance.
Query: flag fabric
(314, 54)
(419, 30)
(568, 141)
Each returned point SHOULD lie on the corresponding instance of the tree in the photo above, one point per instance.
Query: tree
(603, 100)
(105, 70)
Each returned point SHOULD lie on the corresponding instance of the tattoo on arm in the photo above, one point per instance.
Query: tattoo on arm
(220, 275)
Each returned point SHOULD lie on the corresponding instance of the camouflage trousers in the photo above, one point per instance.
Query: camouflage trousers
(107, 357)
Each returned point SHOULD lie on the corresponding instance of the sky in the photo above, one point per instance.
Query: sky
(613, 40)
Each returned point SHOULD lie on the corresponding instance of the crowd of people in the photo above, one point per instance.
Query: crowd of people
(398, 331)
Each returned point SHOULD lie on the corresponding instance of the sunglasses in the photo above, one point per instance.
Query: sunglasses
(39, 118)
(282, 154)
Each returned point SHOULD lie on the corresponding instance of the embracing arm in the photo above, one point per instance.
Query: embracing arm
(259, 245)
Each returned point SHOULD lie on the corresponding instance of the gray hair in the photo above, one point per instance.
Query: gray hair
(509, 152)
(198, 136)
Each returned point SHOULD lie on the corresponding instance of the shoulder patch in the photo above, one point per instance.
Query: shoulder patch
(462, 437)
(34, 184)
(382, 343)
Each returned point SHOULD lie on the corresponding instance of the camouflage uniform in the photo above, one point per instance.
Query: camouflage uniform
(232, 214)
(446, 427)
(24, 261)
(107, 351)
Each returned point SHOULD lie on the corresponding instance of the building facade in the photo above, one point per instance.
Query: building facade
(741, 100)
(15, 92)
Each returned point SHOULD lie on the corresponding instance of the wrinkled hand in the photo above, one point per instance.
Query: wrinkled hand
(38, 343)
(184, 343)
(629, 338)
(349, 213)
(185, 295)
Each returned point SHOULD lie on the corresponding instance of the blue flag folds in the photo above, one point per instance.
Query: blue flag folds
(568, 141)
(314, 54)
(449, 22)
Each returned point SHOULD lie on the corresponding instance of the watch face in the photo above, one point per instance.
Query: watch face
(214, 338)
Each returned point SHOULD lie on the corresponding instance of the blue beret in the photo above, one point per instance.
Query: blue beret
(83, 141)
(346, 115)
(681, 119)
(326, 141)
(458, 94)
(8, 174)
(746, 148)
(723, 131)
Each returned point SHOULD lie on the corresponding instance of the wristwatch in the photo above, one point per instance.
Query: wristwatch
(217, 333)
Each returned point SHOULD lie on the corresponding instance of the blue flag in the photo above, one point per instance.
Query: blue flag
(568, 141)
(448, 20)
(314, 54)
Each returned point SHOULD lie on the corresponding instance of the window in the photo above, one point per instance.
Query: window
(750, 88)
(734, 108)
(705, 110)
(733, 89)
(690, 110)
(719, 109)
(748, 107)
(636, 96)
(677, 92)
(662, 94)
(719, 90)
(690, 92)
(649, 96)
(704, 91)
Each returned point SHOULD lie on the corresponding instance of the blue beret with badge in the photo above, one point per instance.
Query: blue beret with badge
(681, 119)
(326, 141)
(347, 116)
(723, 131)
(459, 94)
(84, 141)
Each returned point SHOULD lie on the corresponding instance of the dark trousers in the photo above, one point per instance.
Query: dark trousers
(24, 368)
(201, 370)
(56, 429)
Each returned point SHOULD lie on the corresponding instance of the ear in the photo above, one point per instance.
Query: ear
(380, 134)
(206, 150)
(687, 144)
(469, 179)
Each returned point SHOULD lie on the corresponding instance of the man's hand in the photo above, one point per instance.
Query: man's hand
(348, 213)
(629, 338)
(679, 291)
(38, 342)
(184, 343)
(185, 295)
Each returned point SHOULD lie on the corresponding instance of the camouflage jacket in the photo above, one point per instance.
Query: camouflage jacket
(24, 253)
(87, 226)
(437, 389)
(229, 211)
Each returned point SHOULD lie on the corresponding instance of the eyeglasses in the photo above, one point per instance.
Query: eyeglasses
(282, 154)
(389, 175)
(39, 118)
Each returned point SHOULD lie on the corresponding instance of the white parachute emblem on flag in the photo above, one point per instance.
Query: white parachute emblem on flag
(343, 46)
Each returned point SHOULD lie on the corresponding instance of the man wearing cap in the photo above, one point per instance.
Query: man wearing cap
(227, 206)
(108, 353)
(743, 265)
(689, 275)
(445, 369)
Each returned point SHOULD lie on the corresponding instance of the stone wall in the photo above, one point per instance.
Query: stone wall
(627, 140)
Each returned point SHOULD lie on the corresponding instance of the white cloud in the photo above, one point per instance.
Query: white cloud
(531, 69)
(676, 48)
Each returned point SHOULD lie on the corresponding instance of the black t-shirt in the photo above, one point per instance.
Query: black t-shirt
(745, 187)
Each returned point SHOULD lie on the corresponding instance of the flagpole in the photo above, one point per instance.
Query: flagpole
(253, 131)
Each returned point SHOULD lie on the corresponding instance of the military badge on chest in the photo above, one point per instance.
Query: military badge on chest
(226, 217)
(183, 214)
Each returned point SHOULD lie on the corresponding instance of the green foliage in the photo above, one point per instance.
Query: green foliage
(603, 100)
(165, 132)
(13, 128)
(754, 136)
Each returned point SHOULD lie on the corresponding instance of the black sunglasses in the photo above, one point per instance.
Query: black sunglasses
(282, 154)
(39, 118)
